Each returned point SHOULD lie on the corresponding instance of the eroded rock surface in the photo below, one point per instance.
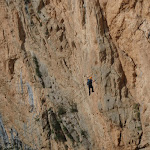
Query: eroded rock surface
(48, 48)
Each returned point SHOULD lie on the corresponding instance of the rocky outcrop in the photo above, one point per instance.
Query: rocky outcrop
(48, 50)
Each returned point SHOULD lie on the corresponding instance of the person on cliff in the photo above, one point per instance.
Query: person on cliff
(89, 83)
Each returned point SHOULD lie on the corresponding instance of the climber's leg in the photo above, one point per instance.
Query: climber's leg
(89, 90)
(92, 89)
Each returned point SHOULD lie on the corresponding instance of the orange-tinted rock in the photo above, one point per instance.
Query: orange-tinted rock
(48, 49)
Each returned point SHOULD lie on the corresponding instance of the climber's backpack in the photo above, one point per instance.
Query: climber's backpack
(89, 82)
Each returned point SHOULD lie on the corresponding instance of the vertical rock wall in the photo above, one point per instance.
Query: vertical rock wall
(48, 50)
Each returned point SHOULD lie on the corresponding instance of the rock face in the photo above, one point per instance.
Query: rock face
(48, 49)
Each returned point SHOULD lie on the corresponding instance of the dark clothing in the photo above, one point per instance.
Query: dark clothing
(90, 86)
(89, 82)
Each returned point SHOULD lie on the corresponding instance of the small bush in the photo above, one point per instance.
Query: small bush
(50, 109)
(136, 111)
(61, 111)
(84, 133)
(139, 128)
(136, 106)
(58, 132)
(59, 136)
(27, 1)
(74, 108)
(49, 133)
(66, 147)
(138, 115)
(39, 11)
(37, 118)
(68, 134)
(37, 67)
(43, 101)
(38, 72)
(47, 33)
(52, 131)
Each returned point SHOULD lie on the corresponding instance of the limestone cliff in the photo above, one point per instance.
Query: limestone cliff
(48, 49)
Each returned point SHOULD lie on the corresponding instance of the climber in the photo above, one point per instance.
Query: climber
(89, 83)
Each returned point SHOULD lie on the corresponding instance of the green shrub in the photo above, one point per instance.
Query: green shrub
(74, 108)
(37, 118)
(68, 134)
(38, 72)
(50, 109)
(136, 111)
(61, 111)
(47, 33)
(39, 11)
(59, 136)
(27, 1)
(138, 115)
(139, 128)
(84, 133)
(136, 106)
(37, 67)
(49, 133)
